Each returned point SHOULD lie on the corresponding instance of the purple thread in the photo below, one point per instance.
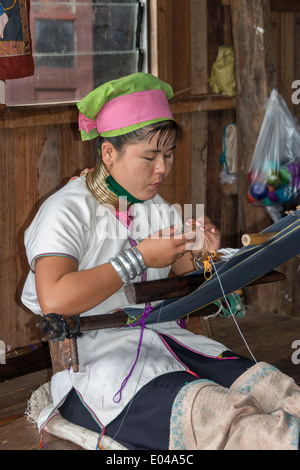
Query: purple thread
(182, 322)
(145, 314)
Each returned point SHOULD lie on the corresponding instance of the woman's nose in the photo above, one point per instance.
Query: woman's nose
(160, 167)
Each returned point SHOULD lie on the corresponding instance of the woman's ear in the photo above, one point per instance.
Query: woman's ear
(108, 154)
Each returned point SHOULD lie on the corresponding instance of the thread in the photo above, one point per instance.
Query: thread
(234, 319)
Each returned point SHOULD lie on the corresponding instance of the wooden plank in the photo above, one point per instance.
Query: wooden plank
(256, 77)
(8, 235)
(200, 103)
(199, 74)
(25, 364)
(288, 6)
(161, 39)
(32, 116)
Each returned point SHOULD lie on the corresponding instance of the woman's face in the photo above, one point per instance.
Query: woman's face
(142, 167)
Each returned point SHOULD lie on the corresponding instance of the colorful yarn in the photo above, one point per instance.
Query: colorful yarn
(182, 322)
(236, 307)
(99, 447)
(42, 444)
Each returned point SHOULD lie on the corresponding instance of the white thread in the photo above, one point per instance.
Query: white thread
(226, 253)
(234, 319)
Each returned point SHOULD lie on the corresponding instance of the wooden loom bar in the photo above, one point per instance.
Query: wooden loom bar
(249, 239)
(157, 290)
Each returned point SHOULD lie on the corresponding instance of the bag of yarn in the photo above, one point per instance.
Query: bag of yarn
(274, 173)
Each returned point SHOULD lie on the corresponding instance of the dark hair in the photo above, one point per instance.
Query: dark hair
(169, 132)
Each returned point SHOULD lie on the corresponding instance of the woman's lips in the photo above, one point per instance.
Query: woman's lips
(156, 185)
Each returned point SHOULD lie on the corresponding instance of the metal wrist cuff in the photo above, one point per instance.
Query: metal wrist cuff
(124, 276)
(127, 264)
(138, 255)
(134, 261)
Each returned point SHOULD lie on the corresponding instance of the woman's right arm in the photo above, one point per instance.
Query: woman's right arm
(63, 289)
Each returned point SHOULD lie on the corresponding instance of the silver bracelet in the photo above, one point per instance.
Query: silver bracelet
(124, 276)
(135, 250)
(128, 264)
(136, 259)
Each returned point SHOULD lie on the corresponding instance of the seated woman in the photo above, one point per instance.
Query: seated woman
(110, 227)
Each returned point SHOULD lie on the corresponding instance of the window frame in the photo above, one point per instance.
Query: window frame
(143, 7)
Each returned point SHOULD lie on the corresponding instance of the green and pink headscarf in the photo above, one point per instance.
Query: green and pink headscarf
(124, 105)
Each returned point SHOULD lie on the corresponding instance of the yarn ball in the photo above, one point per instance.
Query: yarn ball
(285, 176)
(259, 190)
(296, 185)
(267, 201)
(284, 193)
(273, 196)
(273, 178)
(254, 175)
(250, 198)
(293, 168)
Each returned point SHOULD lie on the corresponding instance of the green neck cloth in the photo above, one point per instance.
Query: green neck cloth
(120, 191)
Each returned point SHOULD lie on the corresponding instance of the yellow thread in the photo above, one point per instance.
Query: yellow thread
(208, 265)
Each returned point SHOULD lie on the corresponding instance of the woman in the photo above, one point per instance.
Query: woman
(103, 230)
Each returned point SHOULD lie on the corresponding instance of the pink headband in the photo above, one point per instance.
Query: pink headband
(128, 110)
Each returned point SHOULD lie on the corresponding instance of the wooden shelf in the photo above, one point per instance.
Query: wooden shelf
(286, 6)
(205, 102)
(32, 116)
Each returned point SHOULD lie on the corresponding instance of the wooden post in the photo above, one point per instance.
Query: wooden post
(256, 77)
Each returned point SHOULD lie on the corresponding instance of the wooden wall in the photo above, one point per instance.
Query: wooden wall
(38, 155)
(40, 149)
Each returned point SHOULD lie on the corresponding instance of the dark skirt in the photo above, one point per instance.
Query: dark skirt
(145, 422)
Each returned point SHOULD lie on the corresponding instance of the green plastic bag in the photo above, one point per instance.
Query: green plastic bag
(222, 78)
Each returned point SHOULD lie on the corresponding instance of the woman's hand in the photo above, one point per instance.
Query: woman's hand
(163, 248)
(208, 238)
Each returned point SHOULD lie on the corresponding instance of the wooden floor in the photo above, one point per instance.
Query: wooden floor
(269, 336)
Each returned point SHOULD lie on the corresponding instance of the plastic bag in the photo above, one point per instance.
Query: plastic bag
(222, 78)
(274, 173)
(229, 156)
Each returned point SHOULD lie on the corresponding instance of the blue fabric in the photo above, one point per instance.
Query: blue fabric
(248, 264)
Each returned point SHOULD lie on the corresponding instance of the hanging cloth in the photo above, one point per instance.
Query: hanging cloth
(16, 59)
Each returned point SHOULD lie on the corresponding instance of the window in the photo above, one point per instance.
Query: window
(78, 45)
(54, 43)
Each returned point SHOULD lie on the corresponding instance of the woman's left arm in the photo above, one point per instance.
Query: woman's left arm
(208, 239)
